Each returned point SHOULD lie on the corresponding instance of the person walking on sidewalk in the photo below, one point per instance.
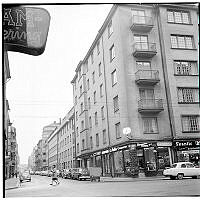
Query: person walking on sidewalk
(54, 177)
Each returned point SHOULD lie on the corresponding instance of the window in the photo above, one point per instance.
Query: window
(100, 69)
(77, 132)
(183, 165)
(93, 77)
(96, 118)
(182, 42)
(114, 77)
(92, 57)
(81, 107)
(76, 115)
(190, 123)
(75, 100)
(79, 73)
(112, 53)
(94, 97)
(138, 16)
(98, 50)
(141, 42)
(143, 65)
(89, 103)
(82, 125)
(102, 113)
(101, 90)
(97, 139)
(185, 68)
(83, 144)
(90, 122)
(117, 130)
(116, 103)
(104, 136)
(188, 95)
(150, 125)
(86, 66)
(110, 29)
(88, 84)
(81, 90)
(179, 17)
(77, 149)
(91, 142)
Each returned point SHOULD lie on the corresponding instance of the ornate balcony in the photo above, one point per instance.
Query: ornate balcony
(144, 50)
(151, 106)
(141, 23)
(147, 77)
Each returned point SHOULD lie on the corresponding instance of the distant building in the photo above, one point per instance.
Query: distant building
(38, 156)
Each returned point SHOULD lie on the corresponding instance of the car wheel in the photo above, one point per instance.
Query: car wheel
(79, 178)
(172, 177)
(180, 176)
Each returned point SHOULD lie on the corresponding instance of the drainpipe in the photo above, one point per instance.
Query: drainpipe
(104, 67)
(165, 73)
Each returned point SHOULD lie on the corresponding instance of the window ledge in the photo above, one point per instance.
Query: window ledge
(191, 131)
(188, 102)
(194, 49)
(186, 75)
(151, 132)
(179, 23)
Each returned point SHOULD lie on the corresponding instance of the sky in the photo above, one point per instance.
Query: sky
(39, 91)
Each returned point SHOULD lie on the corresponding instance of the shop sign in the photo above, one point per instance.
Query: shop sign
(164, 144)
(187, 144)
(25, 29)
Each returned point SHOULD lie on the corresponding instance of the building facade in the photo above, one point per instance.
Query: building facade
(38, 156)
(66, 142)
(136, 75)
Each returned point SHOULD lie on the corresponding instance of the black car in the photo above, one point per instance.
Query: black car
(67, 173)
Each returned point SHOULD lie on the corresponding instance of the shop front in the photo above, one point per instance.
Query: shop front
(187, 151)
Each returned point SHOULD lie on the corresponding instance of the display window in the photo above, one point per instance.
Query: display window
(163, 158)
(118, 160)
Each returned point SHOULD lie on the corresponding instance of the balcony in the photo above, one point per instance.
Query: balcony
(150, 106)
(141, 23)
(144, 50)
(147, 77)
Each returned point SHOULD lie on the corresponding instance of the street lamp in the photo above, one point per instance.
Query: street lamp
(127, 132)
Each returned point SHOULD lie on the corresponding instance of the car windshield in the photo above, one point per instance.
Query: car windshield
(174, 165)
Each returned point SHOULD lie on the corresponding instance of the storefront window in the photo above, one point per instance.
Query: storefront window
(163, 158)
(127, 161)
(98, 161)
(150, 159)
(106, 164)
(118, 159)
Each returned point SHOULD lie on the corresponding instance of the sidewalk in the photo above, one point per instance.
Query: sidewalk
(129, 179)
(11, 183)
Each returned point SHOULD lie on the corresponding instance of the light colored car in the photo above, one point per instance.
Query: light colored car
(25, 176)
(182, 169)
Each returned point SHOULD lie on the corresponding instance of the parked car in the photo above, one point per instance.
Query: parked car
(80, 174)
(49, 174)
(67, 173)
(44, 173)
(25, 176)
(182, 169)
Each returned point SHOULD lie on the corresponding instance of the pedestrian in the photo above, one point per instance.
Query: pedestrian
(54, 177)
(20, 179)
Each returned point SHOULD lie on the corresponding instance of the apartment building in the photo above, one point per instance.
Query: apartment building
(66, 142)
(47, 130)
(139, 78)
(38, 156)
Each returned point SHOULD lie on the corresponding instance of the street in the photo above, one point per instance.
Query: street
(39, 187)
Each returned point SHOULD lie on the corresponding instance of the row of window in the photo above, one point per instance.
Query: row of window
(150, 125)
(67, 153)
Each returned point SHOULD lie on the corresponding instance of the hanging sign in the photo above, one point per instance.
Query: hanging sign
(25, 29)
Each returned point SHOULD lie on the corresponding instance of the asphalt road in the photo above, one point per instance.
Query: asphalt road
(40, 187)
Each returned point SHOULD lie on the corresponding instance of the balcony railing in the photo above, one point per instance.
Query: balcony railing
(144, 49)
(147, 77)
(150, 105)
(141, 23)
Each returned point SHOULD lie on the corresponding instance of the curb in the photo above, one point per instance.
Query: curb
(12, 188)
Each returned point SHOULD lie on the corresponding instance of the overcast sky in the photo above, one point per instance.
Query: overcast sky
(39, 91)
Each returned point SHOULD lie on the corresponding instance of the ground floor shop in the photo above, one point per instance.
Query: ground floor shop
(187, 151)
(135, 159)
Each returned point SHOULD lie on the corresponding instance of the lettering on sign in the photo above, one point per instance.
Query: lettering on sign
(25, 29)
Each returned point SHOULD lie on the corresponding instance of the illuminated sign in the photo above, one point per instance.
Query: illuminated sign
(25, 29)
(187, 143)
